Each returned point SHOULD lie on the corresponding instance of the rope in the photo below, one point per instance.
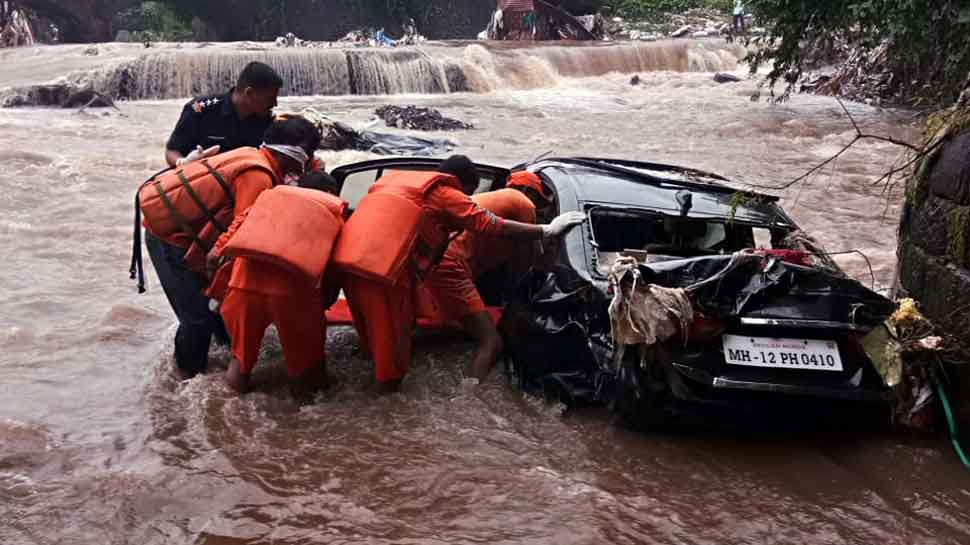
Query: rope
(954, 435)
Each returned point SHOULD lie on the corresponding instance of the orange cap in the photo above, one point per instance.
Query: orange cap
(524, 178)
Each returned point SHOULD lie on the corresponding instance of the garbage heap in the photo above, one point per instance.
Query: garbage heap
(336, 136)
(419, 119)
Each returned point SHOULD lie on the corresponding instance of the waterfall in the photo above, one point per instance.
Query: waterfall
(440, 68)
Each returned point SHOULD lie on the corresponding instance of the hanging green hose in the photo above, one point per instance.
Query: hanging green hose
(954, 437)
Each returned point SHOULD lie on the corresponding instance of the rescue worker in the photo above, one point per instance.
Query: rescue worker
(472, 255)
(221, 123)
(738, 23)
(280, 248)
(186, 209)
(396, 235)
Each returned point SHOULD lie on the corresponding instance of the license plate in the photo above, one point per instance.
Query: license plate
(806, 354)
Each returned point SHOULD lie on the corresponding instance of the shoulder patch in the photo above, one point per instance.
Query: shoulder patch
(200, 106)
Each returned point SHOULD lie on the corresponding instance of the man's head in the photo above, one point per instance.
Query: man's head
(257, 89)
(531, 185)
(462, 168)
(293, 141)
(321, 181)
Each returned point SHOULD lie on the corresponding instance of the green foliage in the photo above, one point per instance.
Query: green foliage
(927, 50)
(958, 233)
(155, 21)
(649, 9)
(741, 199)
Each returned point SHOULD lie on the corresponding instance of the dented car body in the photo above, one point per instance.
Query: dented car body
(771, 326)
(774, 322)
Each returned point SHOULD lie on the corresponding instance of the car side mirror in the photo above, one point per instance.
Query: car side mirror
(686, 201)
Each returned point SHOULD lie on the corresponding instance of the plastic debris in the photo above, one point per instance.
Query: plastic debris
(421, 119)
(907, 314)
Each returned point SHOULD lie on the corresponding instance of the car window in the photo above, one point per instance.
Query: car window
(762, 237)
(652, 236)
(356, 186)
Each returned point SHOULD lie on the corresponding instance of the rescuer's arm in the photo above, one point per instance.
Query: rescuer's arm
(184, 138)
(249, 185)
(224, 237)
(556, 229)
(462, 213)
(172, 157)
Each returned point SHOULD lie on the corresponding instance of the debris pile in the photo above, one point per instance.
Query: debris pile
(62, 95)
(419, 119)
(367, 37)
(912, 357)
(337, 136)
(291, 40)
(693, 23)
(860, 77)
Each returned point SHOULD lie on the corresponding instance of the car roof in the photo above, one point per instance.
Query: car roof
(654, 186)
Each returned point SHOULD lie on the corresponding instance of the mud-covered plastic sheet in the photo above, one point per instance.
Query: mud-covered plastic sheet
(765, 286)
(558, 327)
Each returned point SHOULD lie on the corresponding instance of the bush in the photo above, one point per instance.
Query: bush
(928, 53)
(154, 21)
(648, 9)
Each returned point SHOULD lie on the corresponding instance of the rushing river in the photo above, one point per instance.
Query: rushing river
(100, 443)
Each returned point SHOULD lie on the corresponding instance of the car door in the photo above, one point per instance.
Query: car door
(356, 179)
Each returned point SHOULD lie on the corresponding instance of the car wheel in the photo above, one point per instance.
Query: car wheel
(641, 397)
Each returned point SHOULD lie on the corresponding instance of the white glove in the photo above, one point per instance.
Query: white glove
(563, 224)
(196, 154)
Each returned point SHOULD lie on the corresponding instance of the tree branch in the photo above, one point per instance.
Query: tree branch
(859, 135)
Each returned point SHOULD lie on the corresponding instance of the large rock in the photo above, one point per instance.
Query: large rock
(680, 32)
(941, 287)
(928, 225)
(950, 176)
(934, 243)
(87, 98)
(721, 77)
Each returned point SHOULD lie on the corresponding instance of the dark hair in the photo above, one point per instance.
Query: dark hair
(461, 167)
(293, 131)
(259, 76)
(321, 181)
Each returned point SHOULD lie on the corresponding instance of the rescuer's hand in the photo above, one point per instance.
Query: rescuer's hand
(563, 224)
(197, 154)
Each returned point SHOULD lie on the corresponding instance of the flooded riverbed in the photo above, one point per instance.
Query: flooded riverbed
(100, 443)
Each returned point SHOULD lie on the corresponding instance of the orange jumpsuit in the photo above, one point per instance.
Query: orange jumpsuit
(259, 294)
(385, 315)
(452, 282)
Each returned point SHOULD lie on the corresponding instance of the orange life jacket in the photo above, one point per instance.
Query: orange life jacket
(392, 230)
(195, 203)
(292, 227)
(510, 204)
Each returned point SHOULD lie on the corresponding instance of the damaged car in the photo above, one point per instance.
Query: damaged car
(680, 297)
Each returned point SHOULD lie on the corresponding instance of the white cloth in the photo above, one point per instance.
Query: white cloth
(296, 153)
(642, 314)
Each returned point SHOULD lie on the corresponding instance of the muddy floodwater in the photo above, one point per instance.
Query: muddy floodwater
(100, 443)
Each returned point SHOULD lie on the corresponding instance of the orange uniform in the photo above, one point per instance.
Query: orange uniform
(384, 313)
(260, 293)
(471, 255)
